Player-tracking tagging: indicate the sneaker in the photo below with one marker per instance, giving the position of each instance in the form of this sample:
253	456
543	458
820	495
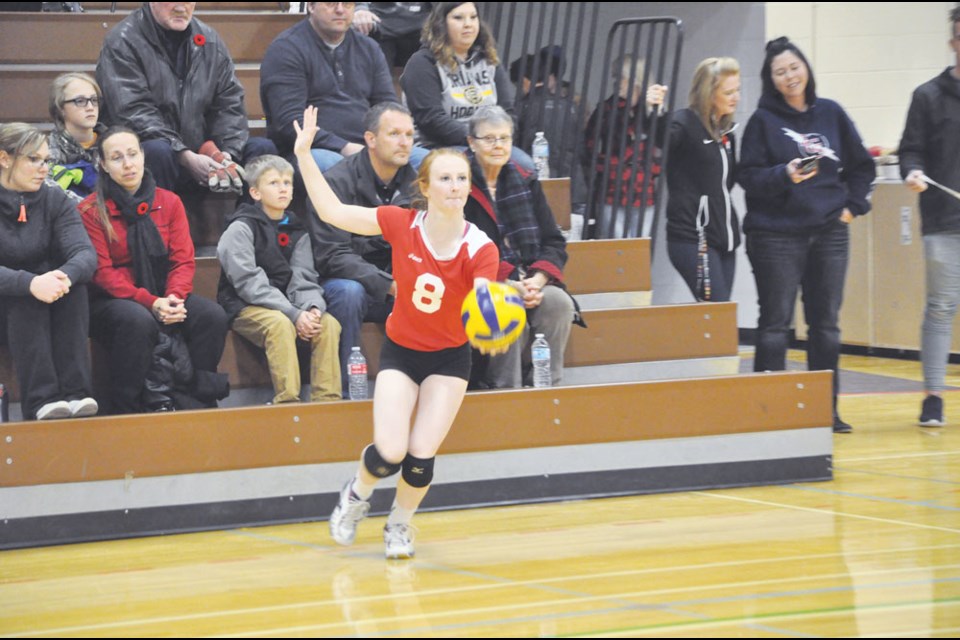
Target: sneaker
347	515
83	408
398	539
931	415
54	410
839	426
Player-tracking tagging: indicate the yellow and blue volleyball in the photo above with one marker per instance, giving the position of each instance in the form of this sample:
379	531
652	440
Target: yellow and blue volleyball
493	316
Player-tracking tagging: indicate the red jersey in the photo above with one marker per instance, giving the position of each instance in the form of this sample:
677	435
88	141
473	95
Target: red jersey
431	288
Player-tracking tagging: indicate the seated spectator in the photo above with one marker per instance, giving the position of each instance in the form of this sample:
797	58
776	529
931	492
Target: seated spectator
545	107
75	109
322	62
169	78
45	257
395	25
618	201
359	284
269	288
456	72
143	286
508	205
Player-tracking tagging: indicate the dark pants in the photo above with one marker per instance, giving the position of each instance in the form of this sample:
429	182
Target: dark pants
48	343
817	264
169	174
684	256
349	303
129	332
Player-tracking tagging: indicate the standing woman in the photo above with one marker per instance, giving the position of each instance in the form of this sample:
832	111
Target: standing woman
75	109
703	230
455	73
45	257
144	277
438	257
798	214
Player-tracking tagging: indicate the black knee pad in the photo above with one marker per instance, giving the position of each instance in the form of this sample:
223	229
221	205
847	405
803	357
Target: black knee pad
376	465
418	472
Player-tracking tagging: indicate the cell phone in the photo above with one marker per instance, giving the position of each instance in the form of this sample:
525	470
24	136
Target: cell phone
808	164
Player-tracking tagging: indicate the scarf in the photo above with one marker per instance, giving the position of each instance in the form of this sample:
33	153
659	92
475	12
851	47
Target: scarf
513	208
151	260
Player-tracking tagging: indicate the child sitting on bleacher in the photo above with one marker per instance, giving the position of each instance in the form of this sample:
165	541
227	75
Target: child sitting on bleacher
270	289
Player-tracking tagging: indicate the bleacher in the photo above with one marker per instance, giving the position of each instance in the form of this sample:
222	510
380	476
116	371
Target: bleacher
651	402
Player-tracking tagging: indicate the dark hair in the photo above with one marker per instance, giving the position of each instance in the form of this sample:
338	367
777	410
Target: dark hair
774	49
548	62
103	176
436	39
954	19
371	119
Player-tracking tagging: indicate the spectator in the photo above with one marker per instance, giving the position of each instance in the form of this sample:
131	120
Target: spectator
395	25
928	148
797	220
144	281
321	62
618	195
45	257
75	109
456	72
358	282
545	107
169	78
703	230
509	206
269	288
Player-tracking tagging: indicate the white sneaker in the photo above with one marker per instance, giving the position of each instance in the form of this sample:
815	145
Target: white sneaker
54	410
347	515
398	539
83	408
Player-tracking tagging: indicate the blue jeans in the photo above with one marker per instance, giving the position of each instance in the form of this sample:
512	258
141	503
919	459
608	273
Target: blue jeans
327	159
351	305
943	294
816	263
517	155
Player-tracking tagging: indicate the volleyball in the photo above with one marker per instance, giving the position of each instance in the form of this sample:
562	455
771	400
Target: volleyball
493	316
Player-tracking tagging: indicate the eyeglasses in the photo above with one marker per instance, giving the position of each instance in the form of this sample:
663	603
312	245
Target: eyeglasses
83	101
333	5
36	161
493	141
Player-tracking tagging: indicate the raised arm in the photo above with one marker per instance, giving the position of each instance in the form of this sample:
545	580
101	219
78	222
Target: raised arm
361	220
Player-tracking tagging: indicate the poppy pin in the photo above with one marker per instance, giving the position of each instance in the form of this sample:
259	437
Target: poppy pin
143	208
199	40
283	239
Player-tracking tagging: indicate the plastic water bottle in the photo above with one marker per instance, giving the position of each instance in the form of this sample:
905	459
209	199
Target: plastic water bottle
541	155
357	368
541	362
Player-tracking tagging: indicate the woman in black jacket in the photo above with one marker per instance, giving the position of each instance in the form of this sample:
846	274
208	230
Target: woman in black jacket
45	257
703	230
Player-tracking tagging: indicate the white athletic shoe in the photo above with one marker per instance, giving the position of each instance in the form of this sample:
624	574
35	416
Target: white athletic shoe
398	539
83	408
54	410
345	517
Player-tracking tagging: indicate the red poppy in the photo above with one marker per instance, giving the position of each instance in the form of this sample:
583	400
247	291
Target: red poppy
143	208
199	40
283	239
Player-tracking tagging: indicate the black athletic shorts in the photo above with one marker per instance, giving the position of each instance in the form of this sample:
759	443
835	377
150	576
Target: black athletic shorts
418	365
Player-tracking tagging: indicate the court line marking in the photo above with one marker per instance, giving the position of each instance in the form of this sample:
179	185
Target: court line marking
865	496
899	476
830	512
899	456
566	602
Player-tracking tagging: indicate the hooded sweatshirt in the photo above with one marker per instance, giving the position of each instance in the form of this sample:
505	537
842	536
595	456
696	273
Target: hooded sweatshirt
776	134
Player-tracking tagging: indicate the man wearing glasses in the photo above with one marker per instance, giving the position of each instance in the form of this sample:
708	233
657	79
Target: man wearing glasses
170	78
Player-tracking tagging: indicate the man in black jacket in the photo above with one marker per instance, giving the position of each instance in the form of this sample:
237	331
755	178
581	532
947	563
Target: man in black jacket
359	286
928	153
170	78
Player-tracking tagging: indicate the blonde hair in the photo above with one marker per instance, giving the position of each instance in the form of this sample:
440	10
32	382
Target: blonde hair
437	39
261	164
419	200
706	80
18	139
59	86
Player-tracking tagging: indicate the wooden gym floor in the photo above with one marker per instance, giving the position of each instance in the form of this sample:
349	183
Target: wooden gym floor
876	552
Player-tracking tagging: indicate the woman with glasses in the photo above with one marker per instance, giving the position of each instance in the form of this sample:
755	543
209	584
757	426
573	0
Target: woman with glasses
508	205
144	277
45	257
806	175
456	72
75	109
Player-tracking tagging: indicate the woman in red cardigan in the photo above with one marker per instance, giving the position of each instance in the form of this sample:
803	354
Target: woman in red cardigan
144	277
